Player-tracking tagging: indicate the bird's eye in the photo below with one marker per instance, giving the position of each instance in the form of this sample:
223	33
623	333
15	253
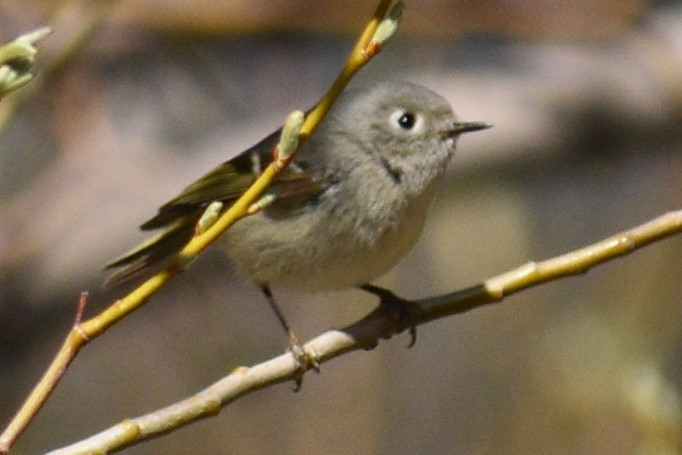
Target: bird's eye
405	120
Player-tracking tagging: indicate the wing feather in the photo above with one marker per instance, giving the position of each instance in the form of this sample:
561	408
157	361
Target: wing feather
294	187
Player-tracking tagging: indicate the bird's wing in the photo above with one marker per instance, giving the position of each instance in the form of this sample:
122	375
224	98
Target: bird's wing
293	187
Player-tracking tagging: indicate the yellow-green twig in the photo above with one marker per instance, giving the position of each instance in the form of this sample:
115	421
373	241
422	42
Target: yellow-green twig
17	58
74	23
82	333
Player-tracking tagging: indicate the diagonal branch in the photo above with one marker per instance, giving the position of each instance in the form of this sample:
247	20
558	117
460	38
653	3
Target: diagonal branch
366	333
377	31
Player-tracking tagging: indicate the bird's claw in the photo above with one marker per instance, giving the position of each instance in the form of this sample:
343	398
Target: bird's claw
402	313
304	359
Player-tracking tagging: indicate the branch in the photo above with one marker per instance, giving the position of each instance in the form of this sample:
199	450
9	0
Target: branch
74	24
17	58
378	30
366	333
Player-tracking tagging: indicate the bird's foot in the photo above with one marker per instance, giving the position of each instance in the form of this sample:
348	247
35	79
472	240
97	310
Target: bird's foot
402	313
305	360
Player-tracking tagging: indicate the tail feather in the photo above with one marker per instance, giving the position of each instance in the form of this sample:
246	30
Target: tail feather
152	255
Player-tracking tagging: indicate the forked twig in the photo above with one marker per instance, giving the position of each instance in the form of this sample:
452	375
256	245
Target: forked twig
365	334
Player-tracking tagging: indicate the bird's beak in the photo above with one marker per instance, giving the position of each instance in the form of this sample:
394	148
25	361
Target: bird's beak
467	127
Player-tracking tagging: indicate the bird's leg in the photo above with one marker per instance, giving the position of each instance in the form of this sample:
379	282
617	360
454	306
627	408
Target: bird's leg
399	310
303	358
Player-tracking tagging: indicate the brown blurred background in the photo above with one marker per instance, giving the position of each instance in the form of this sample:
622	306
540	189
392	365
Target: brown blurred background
586	99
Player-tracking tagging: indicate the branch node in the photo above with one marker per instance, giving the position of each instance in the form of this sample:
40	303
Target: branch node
82	303
242	370
288	141
384	31
130	428
265	200
209	217
371	50
182	261
629	242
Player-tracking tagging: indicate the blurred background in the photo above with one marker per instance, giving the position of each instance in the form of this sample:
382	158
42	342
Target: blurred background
137	98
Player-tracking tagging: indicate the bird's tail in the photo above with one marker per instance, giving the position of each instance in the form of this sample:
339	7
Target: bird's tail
151	255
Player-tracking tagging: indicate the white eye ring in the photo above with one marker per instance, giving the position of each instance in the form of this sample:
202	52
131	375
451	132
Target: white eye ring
407	121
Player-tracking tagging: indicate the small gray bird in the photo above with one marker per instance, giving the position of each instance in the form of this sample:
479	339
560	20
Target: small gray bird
347	209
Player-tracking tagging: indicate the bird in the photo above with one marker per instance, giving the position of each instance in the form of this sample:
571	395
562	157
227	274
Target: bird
348	208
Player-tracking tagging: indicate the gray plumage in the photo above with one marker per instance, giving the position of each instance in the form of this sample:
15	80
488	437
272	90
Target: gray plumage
348	208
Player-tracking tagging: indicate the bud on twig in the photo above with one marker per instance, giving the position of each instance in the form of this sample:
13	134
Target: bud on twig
209	217
387	27
288	141
17	58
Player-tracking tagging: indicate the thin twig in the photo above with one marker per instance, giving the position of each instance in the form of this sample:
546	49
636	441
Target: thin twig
74	24
367	46
366	333
82	303
74	341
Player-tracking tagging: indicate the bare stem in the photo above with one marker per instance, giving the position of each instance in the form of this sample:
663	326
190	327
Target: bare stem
367	332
